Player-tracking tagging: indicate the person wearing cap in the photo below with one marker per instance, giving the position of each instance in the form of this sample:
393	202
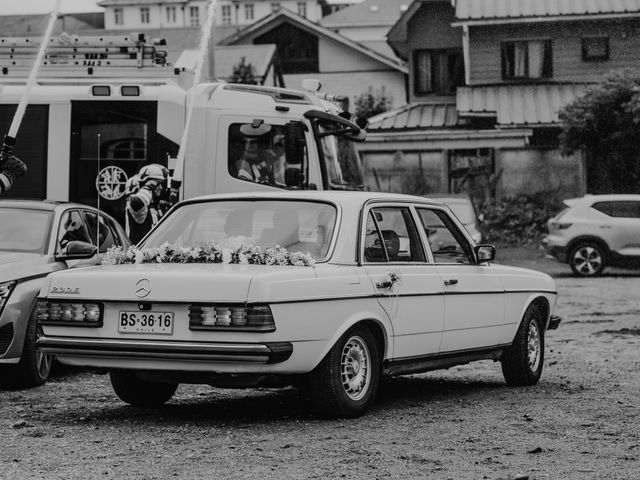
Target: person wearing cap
10	169
143	197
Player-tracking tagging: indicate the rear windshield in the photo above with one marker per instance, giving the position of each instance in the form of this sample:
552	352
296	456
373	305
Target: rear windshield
298	226
24	230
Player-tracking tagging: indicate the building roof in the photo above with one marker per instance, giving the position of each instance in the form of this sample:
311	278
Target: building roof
26	25
483	10
260	57
518	104
283	15
416	116
367	13
111	3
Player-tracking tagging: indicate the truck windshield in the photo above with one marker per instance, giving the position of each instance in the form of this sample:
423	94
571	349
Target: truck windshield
341	158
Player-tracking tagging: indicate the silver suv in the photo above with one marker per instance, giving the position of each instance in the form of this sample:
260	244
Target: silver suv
595	231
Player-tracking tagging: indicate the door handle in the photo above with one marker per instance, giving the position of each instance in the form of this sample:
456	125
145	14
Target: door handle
384	284
451	281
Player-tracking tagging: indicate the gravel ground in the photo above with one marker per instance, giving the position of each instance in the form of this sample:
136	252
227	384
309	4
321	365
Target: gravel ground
580	422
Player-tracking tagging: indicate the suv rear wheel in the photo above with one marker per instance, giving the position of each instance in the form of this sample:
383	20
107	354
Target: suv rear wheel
587	259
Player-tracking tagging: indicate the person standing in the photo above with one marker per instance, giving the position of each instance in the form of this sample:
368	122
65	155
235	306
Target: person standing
10	169
142	208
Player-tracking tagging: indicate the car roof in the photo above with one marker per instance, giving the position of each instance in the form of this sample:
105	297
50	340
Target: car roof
45	205
340	197
610	197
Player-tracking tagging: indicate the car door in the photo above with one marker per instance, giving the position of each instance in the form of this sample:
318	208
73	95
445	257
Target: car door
618	222
408	288
474	294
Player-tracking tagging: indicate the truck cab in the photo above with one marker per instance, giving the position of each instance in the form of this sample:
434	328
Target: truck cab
246	137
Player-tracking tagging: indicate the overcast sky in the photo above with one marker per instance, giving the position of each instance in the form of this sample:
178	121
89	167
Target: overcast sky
18	7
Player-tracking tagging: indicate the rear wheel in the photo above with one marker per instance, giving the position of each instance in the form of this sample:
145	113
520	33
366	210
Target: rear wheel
141	393
346	381
522	362
587	259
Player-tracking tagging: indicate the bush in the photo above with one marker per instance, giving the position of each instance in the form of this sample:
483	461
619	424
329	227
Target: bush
373	102
520	220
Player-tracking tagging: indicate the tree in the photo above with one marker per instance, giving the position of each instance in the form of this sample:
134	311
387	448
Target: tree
373	102
243	73
605	124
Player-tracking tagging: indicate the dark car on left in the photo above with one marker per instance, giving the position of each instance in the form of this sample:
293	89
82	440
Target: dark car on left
37	238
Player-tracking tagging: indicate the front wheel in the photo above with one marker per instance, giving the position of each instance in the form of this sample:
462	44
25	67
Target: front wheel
34	367
141	393
522	362
345	383
587	259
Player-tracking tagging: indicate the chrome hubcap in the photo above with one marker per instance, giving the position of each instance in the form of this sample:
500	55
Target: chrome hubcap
534	349
43	362
355	368
587	260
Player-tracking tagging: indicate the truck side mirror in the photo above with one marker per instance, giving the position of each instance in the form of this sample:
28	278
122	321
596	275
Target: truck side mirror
294	143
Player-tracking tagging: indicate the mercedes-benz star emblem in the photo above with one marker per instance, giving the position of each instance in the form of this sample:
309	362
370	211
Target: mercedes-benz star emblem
143	288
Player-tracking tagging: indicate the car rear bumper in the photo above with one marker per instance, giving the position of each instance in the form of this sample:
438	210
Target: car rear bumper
254	353
554	322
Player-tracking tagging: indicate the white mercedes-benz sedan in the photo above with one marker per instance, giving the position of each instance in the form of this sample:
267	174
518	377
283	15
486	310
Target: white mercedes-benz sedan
325	290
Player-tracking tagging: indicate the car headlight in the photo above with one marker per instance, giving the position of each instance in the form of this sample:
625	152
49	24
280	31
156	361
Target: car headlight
5	291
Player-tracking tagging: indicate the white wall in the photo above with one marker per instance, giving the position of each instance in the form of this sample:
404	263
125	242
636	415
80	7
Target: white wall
158	16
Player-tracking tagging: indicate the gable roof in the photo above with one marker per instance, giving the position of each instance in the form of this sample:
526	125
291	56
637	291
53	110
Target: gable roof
285	16
367	13
515	105
416	116
482	11
261	57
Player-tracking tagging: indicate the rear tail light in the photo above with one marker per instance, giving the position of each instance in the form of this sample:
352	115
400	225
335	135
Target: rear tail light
231	317
77	314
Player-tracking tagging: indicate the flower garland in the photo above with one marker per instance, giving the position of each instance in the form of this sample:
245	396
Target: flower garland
209	253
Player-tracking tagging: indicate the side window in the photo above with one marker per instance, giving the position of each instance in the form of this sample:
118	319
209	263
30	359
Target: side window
446	241
257	154
398	231
104	230
72	227
619	209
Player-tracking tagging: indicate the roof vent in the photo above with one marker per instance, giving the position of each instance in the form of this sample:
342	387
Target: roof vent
403	8
374	8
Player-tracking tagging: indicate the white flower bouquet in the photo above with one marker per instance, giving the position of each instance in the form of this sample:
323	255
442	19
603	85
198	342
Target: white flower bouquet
209	253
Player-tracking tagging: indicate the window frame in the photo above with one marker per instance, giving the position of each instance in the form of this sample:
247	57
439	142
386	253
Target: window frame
461	238
420	238
118	16
448	79
507	48
145	15
586	56
302	9
194	16
249	12
171	14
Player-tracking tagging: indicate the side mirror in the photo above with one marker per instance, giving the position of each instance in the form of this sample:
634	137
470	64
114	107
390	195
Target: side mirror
294	143
293	177
78	250
485	253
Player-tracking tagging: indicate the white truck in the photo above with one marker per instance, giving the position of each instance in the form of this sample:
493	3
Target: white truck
105	106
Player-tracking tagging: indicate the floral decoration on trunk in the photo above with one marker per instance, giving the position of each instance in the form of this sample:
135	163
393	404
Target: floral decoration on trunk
208	253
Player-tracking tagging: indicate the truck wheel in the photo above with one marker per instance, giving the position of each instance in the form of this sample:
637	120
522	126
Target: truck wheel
345	383
34	367
522	362
587	259
140	393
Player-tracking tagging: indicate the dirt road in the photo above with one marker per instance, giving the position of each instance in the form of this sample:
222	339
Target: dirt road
582	421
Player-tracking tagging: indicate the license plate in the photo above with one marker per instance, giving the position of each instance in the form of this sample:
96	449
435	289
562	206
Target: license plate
145	322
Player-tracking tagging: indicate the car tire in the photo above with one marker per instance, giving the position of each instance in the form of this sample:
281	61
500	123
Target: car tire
141	393
346	382
587	259
34	367
522	362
